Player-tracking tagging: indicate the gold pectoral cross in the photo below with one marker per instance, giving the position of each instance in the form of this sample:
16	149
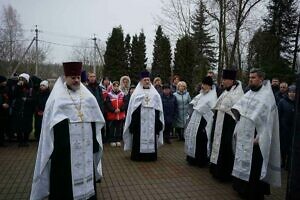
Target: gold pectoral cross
80	115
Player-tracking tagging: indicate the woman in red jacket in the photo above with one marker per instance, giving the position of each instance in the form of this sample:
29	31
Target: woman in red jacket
115	114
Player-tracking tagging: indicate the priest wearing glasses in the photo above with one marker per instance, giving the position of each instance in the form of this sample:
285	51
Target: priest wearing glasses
143	130
68	162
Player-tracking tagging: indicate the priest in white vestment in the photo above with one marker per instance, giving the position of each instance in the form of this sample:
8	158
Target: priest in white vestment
143	130
69	155
197	132
257	151
221	159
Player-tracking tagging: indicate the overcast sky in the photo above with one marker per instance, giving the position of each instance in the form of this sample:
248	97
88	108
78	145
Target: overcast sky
72	21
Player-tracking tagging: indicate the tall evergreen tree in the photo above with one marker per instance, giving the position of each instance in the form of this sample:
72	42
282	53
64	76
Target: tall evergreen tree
184	62
281	22
161	65
263	53
203	40
138	58
115	55
128	50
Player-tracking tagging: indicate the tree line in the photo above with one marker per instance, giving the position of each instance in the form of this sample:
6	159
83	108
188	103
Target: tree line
207	35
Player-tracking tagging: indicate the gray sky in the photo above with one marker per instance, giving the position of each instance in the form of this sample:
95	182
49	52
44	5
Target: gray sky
72	21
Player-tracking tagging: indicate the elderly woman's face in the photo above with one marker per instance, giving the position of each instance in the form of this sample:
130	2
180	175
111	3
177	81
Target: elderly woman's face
181	88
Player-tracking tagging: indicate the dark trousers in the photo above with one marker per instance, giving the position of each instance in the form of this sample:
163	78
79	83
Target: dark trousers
167	131
37	126
180	133
115	130
4	126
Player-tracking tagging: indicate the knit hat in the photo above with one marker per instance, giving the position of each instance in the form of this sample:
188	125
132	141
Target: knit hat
166	86
25	76
292	88
44	83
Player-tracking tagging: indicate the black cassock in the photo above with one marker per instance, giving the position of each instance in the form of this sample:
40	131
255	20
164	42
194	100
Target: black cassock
60	172
201	158
223	169
135	130
254	189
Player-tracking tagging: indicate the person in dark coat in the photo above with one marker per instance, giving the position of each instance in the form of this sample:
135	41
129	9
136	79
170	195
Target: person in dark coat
23	109
222	157
175	80
170	110
282	93
41	99
94	87
275	85
11	86
286	112
4	110
157	83
144	121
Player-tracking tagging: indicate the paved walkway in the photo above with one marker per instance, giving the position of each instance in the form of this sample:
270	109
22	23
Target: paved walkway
168	178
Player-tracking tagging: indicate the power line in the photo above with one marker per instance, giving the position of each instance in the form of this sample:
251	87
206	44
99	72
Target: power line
7	41
66	45
63	35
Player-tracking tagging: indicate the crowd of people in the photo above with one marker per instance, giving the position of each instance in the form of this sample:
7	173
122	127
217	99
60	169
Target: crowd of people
243	135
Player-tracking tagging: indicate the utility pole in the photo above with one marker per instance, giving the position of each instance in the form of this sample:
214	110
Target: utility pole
23	56
36	50
95	50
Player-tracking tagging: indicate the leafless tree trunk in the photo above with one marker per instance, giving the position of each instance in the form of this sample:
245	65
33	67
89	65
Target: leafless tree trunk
296	50
11	35
177	16
241	11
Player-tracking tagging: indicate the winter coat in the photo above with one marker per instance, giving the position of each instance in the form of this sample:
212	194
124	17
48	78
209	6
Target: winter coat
41	100
23	107
183	100
114	101
286	112
97	91
169	107
4	98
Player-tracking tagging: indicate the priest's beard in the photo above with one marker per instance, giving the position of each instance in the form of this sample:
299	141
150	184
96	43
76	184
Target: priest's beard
255	87
74	87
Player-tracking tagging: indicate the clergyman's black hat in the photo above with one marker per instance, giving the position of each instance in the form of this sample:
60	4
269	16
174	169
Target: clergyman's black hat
144	74
229	74
207	80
